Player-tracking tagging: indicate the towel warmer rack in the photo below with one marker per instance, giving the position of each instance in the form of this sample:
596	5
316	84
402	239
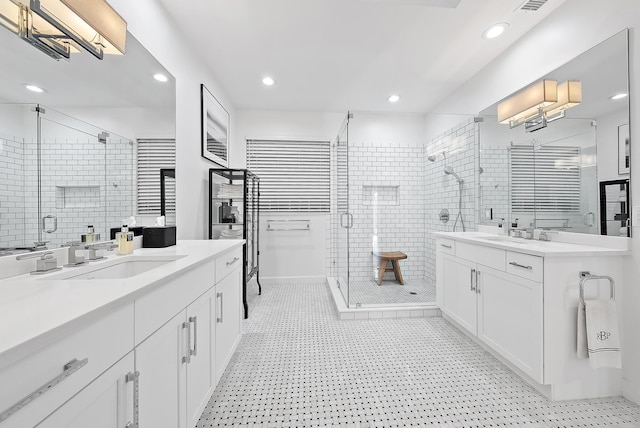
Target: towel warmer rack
584	277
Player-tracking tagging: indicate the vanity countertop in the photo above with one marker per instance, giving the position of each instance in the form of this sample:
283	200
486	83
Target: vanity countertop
37	309
533	247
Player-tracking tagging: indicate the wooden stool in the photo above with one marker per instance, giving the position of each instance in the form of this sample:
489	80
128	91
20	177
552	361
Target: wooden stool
393	257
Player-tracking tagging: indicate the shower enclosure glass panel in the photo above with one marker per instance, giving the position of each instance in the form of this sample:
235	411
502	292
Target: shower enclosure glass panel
341	219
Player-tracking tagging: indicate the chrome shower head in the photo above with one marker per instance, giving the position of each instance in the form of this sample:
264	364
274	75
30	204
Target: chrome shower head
449	171
431	158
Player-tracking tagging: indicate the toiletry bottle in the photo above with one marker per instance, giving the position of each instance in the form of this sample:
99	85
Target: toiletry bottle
124	239
89	236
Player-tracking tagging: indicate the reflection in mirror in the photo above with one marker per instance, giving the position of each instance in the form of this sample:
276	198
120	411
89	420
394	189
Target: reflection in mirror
549	176
72	152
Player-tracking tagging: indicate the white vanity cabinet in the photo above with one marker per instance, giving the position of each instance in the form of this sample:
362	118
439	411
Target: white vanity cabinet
150	358
502	309
519	300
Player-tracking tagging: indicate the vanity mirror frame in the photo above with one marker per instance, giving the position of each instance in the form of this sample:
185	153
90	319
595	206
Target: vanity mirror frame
601	78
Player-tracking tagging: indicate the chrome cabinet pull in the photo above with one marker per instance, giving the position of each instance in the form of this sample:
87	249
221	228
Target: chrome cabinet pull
70	368
187	358
235	259
194	320
473	274
446	246
520	266
135	378
220	318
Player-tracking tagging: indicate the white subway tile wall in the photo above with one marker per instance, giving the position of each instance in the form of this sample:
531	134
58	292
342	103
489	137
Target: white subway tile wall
83	182
12	193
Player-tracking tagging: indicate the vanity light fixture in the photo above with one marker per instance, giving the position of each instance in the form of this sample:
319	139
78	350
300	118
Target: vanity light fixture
495	30
528	103
619	96
34	88
569	95
268	81
60	27
393	98
160	77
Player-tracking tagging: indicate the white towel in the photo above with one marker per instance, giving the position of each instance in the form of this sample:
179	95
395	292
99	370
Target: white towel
583	350
602	337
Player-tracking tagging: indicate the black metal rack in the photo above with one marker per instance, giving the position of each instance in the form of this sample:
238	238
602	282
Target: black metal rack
234	197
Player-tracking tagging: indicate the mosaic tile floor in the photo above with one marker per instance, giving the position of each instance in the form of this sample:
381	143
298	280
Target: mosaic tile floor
368	292
299	366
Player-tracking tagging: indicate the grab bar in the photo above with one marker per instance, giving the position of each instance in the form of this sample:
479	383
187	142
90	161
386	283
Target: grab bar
270	228
588	277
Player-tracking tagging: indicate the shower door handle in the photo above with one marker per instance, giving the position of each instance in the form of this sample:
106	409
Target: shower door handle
586	219
350	217
55	223
349	223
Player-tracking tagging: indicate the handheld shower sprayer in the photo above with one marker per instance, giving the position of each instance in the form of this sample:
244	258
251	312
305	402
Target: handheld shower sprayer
449	171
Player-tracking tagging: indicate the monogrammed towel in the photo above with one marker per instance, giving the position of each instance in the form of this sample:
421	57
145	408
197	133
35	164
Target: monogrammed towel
603	339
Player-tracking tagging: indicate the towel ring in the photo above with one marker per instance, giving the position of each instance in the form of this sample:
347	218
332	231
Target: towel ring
612	285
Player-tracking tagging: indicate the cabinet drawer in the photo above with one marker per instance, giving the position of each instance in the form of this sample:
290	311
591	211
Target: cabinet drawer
487	256
446	246
227	262
525	265
101	342
158	306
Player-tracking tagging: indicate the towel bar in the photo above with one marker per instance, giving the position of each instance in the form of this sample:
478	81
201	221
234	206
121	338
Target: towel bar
585	278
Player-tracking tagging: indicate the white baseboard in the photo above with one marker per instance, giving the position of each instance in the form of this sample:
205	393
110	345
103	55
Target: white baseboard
631	391
292	279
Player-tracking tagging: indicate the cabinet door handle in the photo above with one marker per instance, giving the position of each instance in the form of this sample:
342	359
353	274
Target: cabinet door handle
477	282
194	320
473	277
135	378
70	368
187	358
520	266
235	259
221	317
446	246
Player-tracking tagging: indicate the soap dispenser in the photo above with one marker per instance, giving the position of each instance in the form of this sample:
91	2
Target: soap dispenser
89	236
124	239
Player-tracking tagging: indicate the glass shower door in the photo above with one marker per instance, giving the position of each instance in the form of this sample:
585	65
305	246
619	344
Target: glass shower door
342	218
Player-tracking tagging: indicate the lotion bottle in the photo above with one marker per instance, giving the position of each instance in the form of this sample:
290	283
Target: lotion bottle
124	238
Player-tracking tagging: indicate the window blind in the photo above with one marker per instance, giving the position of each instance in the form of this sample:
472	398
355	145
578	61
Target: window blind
294	175
151	156
545	179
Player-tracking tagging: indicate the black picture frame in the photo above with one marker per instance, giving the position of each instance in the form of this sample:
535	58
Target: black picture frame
215	129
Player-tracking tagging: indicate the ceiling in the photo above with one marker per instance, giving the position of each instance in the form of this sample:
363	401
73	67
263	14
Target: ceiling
338	55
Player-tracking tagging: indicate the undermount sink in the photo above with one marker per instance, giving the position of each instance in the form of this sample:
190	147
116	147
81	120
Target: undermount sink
117	269
503	239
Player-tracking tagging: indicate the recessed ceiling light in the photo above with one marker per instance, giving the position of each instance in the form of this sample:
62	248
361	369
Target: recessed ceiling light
495	30
393	98
269	81
619	96
34	88
160	77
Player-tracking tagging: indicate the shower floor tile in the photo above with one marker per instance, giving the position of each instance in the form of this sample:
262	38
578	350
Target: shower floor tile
368	292
299	366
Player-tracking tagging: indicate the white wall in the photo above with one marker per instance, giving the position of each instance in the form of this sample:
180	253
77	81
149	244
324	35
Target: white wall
290	255
150	24
573	28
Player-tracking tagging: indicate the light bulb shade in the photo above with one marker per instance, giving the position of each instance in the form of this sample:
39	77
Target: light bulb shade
59	27
528	102
569	95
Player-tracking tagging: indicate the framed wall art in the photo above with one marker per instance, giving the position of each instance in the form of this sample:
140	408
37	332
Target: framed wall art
215	129
623	149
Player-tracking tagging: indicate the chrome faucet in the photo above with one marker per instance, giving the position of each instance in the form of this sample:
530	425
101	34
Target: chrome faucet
47	263
92	248
73	258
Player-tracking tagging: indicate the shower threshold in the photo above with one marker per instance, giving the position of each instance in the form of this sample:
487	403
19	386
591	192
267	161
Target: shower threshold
380	311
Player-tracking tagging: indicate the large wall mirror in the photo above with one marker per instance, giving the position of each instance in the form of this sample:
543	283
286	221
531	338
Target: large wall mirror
570	172
87	150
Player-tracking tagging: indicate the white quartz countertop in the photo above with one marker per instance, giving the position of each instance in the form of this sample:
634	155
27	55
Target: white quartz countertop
529	246
36	309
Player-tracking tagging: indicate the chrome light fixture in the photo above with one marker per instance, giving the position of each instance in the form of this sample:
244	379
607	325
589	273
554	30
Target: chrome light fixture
61	27
539	104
